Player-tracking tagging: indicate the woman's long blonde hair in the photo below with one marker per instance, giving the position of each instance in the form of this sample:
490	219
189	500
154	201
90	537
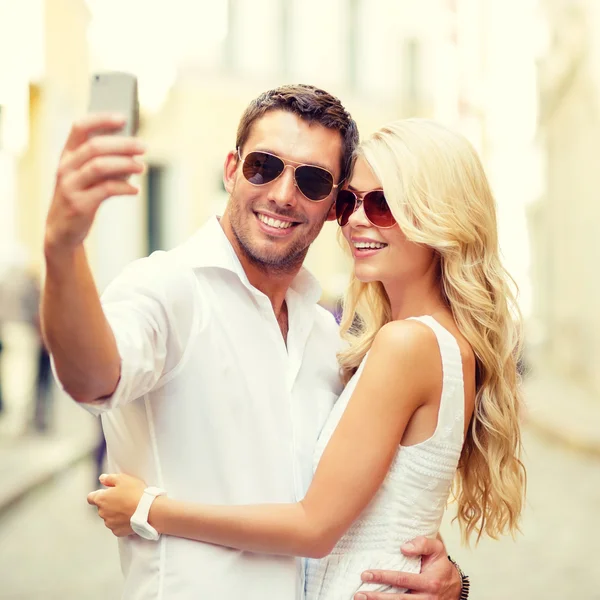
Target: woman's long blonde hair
439	194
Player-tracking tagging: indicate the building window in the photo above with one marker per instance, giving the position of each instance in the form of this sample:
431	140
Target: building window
286	32
230	37
353	39
412	75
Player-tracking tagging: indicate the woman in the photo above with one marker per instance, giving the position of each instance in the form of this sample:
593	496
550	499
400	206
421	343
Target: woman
432	391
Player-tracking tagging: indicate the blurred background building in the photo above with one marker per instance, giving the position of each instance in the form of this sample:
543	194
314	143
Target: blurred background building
199	64
564	219
520	78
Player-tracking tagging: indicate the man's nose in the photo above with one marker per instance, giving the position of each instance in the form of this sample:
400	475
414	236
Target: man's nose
283	189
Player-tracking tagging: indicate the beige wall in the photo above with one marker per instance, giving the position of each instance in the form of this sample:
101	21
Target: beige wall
55	100
66	50
565	220
195	128
29	189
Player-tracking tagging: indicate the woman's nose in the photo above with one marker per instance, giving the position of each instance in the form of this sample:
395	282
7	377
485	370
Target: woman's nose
358	218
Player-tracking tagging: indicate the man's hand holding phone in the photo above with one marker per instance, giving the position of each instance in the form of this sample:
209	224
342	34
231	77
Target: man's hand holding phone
100	155
94	166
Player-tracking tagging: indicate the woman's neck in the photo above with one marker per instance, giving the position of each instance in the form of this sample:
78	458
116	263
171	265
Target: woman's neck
417	297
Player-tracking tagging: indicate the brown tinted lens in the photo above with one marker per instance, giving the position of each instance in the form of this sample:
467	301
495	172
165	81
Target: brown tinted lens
315	183
377	209
344	206
260	168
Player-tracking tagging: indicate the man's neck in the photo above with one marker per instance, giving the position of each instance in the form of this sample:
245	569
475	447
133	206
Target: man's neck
273	283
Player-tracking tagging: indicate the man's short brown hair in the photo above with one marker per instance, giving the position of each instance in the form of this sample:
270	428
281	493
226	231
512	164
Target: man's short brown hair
311	104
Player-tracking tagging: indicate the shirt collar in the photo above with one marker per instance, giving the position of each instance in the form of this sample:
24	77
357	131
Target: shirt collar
209	247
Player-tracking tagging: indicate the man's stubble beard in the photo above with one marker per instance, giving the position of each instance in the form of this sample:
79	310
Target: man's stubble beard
276	263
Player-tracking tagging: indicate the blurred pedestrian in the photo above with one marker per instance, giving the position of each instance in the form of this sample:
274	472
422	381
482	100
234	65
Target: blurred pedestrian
3	310
99	455
42	400
1	346
15	284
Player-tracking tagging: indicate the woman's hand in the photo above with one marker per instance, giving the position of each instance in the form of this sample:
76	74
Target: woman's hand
117	504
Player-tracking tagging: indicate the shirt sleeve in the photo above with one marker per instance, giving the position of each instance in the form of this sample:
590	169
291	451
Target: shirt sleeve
152	308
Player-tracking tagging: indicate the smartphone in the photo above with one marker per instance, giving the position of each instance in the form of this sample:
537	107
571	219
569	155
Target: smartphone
117	92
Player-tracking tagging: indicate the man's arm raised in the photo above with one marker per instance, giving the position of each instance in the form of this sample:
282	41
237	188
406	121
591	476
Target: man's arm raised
75	329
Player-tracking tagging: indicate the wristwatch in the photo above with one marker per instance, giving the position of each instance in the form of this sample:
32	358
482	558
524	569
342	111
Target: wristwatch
464	582
139	519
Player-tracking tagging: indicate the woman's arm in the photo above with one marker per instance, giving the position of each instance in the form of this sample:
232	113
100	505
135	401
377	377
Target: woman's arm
396	380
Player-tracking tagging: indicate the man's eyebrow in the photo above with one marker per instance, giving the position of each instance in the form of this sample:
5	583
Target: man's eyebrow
312	163
318	164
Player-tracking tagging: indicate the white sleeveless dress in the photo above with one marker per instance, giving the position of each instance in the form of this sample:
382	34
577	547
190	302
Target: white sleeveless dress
412	498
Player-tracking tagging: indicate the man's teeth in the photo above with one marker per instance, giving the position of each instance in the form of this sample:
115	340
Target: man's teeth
374	245
274	222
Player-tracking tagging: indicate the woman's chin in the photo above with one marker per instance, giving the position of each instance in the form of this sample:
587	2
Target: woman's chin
365	274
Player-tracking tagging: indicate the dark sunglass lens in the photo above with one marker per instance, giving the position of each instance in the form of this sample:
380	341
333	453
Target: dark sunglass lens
260	168
344	206
377	209
315	183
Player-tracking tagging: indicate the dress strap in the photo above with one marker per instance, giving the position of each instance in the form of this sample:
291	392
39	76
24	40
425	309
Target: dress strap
452	402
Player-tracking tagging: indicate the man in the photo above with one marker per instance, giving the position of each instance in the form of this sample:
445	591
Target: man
212	365
30	309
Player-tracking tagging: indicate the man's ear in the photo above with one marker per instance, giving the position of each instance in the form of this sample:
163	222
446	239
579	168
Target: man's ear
331	213
229	171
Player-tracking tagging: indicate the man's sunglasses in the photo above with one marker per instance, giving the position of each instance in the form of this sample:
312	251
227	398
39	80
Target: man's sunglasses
374	203
260	168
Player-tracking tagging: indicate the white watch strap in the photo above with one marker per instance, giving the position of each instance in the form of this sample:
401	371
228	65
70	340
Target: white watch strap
143	507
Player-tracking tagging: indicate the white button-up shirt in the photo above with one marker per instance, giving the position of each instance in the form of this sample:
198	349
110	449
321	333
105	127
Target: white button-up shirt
213	407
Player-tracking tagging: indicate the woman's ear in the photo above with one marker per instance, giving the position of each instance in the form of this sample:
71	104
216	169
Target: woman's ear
229	171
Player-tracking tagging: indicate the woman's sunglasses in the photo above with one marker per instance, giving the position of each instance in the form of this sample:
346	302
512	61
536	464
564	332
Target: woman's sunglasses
374	203
260	168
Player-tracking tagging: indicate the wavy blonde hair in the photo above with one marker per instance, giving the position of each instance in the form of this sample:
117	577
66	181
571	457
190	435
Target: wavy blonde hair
439	194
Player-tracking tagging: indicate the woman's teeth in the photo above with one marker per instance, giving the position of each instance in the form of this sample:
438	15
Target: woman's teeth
369	245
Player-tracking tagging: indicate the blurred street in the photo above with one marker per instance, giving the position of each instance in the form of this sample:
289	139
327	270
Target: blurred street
29	456
554	557
53	547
